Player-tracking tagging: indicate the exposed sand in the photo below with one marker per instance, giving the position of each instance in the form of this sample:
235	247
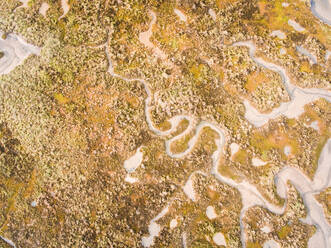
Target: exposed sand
210	212
43	9
258	162
234	148
282	51
296	25
9	242
154	229
130	179
65	8
191	143
249	193
266	229
312	58
327	55
271	244
212	14
33	204
307	189
181	15
15	50
189	189
173	223
219	239
314	125
287	150
144	38
25	3
278	33
322	10
132	163
316	241
184	240
292	109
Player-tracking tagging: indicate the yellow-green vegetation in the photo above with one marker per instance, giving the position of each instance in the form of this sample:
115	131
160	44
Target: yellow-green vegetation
272	15
223	3
284	229
324	198
67	125
278	139
182	126
228	171
317	112
284	232
277	136
262	87
253	245
192	218
17	176
179	146
241	157
60	98
207	139
164	126
254	80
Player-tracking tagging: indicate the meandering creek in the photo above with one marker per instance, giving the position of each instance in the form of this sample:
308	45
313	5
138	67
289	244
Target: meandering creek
299	96
249	193
16	50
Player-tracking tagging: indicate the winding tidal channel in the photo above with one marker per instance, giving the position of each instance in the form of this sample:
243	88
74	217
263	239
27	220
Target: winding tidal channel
250	195
16	50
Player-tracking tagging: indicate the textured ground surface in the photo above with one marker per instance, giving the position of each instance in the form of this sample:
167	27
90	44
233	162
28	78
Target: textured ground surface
144	123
